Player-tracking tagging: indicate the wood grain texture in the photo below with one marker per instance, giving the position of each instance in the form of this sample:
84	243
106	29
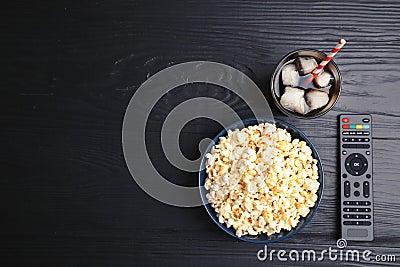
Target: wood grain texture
70	69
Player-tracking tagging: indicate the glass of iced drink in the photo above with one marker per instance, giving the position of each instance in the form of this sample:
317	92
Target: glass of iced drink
298	95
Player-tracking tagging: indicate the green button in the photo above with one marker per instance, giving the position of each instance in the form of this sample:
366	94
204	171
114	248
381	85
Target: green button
352	126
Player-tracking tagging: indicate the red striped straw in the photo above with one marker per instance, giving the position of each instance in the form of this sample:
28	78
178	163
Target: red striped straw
326	60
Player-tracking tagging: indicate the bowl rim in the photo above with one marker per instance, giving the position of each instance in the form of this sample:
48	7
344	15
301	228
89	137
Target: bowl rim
274	74
211	211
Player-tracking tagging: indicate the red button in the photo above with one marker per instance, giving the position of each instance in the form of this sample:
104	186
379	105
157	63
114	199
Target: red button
345	126
345	120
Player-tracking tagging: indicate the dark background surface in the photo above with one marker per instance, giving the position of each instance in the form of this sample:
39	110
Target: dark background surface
69	70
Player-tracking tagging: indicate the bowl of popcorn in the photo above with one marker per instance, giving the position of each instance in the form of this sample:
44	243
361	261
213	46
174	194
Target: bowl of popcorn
261	181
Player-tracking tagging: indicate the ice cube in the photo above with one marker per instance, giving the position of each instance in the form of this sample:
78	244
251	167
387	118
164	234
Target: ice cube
306	65
316	99
293	100
323	79
290	76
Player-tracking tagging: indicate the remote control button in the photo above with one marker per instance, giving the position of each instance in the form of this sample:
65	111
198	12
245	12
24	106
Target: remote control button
347	189
357	223
345	132
355	146
352	126
358	233
367	203
344	152
356	216
349	146
352	223
357	193
365	126
368	176
366	189
368	153
357	210
345	139
366	133
356	184
356	164
345	120
357	203
344	175
345	126
359	126
365	120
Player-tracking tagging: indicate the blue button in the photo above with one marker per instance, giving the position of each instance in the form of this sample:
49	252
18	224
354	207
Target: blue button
365	126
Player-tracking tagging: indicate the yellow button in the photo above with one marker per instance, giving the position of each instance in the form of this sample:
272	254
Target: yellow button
359	126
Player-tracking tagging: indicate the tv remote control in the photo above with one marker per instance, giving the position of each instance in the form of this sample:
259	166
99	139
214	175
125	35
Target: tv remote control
356	203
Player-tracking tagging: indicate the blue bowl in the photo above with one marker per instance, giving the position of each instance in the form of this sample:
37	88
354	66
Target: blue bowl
263	238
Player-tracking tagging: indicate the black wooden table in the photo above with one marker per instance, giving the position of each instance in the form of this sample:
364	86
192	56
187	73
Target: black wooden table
69	71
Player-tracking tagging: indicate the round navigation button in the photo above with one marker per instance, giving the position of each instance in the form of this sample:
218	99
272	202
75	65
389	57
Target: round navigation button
356	164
